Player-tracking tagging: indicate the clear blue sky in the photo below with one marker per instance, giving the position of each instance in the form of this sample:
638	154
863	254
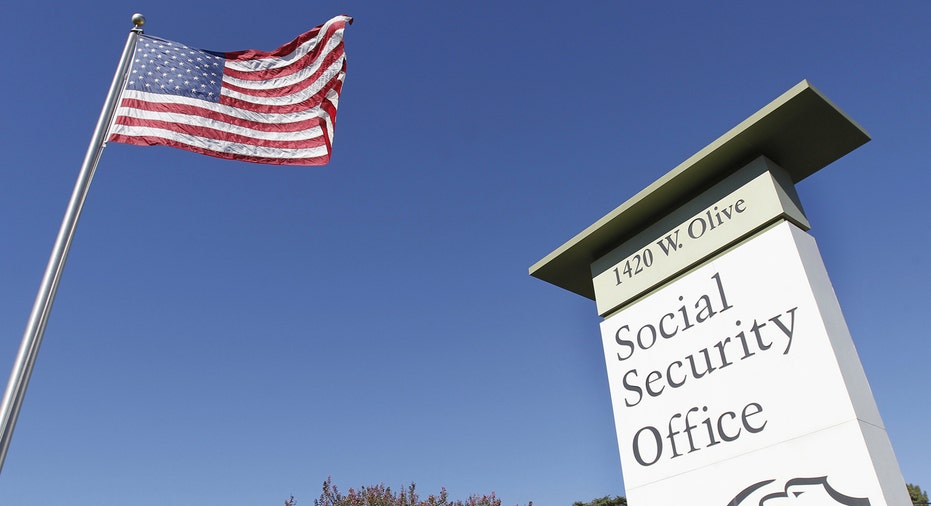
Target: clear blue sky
231	334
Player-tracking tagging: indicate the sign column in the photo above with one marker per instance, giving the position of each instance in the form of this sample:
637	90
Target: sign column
733	376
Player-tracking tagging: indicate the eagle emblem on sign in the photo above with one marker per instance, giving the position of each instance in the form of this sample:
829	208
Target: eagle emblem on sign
795	492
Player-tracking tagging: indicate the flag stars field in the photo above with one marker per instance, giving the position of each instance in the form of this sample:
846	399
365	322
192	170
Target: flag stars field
186	65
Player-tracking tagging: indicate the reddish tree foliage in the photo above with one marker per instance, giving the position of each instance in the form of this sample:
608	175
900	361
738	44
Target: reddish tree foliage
380	495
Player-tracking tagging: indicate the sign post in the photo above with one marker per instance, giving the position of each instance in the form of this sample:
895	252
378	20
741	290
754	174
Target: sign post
733	376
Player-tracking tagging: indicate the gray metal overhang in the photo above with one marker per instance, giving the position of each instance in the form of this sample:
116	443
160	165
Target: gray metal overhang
802	131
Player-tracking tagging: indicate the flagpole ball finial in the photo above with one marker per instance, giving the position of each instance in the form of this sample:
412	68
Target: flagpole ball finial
138	20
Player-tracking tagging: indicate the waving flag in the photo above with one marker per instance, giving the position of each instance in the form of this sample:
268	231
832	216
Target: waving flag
275	107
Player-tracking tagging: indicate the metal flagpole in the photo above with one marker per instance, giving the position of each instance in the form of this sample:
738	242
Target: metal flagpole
32	337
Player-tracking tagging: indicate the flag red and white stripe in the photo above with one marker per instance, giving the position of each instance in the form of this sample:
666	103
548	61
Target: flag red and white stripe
276	107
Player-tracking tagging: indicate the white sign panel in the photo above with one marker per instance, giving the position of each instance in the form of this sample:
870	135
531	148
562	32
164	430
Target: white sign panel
738	384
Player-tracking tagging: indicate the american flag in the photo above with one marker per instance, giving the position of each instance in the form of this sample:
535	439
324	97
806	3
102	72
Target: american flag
275	107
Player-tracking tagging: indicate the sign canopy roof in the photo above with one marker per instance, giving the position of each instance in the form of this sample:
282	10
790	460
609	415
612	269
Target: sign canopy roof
802	131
